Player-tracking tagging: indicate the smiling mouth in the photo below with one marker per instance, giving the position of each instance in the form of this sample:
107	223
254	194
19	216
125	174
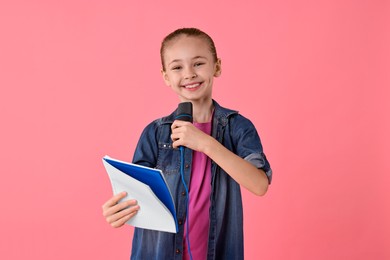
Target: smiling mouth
192	85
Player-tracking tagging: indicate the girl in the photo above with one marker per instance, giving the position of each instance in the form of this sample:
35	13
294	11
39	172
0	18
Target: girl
223	151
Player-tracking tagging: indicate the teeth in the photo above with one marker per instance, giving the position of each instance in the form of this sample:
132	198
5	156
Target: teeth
193	86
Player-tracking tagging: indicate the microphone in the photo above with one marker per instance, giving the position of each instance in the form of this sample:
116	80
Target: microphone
184	112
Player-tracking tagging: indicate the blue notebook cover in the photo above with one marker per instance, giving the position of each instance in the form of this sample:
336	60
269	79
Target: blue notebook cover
149	176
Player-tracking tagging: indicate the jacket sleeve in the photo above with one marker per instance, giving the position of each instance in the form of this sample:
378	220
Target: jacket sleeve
248	145
146	150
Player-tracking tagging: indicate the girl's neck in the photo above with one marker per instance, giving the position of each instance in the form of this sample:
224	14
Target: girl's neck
202	111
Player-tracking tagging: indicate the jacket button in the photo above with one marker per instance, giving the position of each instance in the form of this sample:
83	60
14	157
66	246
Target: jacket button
177	251
180	222
187	166
183	193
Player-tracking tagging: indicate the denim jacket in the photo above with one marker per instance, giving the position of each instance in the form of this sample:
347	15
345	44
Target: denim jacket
155	150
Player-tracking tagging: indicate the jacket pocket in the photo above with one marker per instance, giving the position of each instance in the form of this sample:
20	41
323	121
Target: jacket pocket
168	159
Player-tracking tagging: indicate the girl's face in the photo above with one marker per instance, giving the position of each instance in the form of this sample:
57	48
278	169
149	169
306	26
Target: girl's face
190	68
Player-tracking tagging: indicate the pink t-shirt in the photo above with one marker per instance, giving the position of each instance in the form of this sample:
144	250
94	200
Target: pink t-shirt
199	203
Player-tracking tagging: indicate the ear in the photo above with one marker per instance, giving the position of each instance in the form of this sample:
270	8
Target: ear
165	78
218	68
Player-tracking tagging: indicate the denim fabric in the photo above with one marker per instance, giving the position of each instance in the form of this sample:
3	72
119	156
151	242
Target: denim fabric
155	150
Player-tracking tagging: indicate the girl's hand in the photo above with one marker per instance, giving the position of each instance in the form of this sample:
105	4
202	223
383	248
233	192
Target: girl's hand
117	214
186	134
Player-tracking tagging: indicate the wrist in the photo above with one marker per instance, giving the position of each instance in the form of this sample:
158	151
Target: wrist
209	146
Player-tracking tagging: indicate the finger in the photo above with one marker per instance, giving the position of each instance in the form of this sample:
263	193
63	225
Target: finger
175	136
114	200
118	207
122	214
174	126
179	123
178	139
120	222
131	211
175	145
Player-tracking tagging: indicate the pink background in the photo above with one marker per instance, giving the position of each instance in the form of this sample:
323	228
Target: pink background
80	79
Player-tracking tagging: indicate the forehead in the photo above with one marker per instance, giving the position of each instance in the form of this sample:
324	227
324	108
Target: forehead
185	46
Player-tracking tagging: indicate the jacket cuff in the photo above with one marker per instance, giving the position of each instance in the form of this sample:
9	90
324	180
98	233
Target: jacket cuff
260	162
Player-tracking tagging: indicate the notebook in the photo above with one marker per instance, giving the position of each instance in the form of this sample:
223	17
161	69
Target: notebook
149	188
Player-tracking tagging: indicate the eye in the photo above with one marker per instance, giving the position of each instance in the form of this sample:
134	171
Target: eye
198	64
176	68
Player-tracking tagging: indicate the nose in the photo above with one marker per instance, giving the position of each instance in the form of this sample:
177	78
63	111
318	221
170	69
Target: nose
190	73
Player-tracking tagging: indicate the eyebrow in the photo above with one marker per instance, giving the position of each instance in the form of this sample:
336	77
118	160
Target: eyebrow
194	58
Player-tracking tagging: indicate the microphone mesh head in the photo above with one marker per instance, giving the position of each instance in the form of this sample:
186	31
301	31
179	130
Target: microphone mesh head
184	112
